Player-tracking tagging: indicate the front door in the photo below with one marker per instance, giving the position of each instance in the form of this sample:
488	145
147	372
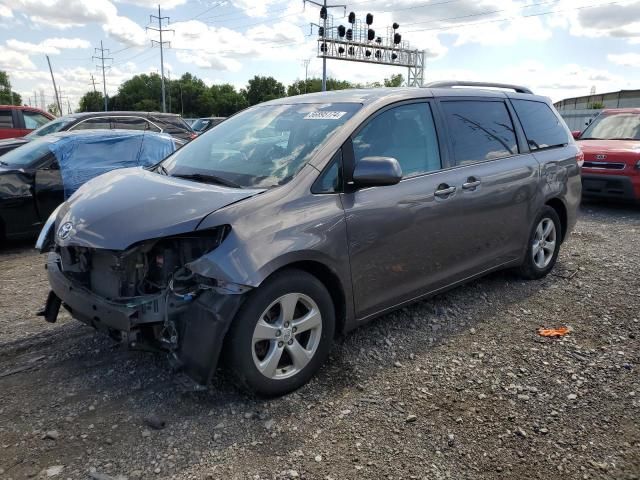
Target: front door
402	238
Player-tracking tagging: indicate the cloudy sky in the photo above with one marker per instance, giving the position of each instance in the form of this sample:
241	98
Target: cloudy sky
560	48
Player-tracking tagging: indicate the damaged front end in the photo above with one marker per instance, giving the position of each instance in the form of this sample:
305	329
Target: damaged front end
148	297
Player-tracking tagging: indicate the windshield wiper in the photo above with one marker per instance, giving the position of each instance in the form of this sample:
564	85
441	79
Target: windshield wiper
624	138
199	177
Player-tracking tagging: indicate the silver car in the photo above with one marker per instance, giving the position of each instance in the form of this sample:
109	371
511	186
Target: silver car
302	218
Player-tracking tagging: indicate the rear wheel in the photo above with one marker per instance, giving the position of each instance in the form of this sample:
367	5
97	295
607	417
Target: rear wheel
282	334
544	245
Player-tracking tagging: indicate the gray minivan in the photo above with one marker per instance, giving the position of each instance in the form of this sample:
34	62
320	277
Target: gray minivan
301	218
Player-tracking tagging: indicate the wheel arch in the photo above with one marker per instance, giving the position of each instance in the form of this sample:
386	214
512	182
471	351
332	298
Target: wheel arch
560	208
331	282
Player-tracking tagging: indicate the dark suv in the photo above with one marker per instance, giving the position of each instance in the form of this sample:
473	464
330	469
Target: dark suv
170	123
301	218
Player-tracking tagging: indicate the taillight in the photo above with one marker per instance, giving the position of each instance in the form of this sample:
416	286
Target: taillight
580	158
192	135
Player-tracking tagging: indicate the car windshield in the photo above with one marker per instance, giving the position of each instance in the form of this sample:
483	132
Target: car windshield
262	147
25	155
614	126
51	127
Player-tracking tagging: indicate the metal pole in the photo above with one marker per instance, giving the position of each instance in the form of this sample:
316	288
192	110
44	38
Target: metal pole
324	57
164	104
104	80
55	89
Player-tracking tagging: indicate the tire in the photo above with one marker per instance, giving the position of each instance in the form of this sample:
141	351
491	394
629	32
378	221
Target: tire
538	261
266	350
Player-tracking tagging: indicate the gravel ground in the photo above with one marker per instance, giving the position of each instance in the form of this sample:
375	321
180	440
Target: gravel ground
457	387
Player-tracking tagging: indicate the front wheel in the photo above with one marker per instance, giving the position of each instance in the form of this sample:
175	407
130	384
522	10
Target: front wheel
544	245
282	334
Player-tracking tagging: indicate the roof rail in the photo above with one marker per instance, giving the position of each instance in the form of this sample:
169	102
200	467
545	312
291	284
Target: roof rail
461	83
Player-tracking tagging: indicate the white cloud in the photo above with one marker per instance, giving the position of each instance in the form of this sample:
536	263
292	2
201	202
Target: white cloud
223	48
5	11
254	8
153	4
50	46
625	59
12	60
566	81
126	31
618	20
64	14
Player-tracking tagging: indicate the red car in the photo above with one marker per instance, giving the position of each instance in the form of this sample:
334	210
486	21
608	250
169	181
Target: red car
17	121
611	147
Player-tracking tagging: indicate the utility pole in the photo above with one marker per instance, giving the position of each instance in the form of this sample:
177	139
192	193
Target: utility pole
306	72
323	15
93	81
161	43
169	85
102	58
53	80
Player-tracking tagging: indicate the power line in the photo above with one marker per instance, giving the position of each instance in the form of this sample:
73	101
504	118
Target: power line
102	58
160	30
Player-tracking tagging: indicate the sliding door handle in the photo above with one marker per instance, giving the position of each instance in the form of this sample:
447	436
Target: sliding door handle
444	191
471	185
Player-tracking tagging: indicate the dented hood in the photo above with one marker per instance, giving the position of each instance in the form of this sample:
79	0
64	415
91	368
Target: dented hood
127	206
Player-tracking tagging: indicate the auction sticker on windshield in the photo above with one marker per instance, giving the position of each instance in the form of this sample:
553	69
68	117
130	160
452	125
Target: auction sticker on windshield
324	115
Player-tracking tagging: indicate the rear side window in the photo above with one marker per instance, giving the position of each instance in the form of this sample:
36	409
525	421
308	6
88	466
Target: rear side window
174	124
132	123
480	130
99	123
6	119
541	127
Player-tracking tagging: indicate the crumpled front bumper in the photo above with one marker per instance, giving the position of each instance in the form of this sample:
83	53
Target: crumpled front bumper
201	323
86	306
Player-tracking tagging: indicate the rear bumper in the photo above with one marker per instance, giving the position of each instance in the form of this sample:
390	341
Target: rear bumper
620	187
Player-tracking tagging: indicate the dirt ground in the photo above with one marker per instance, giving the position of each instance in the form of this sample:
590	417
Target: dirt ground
456	387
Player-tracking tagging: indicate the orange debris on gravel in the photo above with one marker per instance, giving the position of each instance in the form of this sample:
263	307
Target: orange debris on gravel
553	332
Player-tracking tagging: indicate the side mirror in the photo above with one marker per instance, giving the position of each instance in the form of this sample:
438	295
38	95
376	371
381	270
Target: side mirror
576	134
376	172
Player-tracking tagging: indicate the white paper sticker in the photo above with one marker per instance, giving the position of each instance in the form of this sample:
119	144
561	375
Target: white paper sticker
324	115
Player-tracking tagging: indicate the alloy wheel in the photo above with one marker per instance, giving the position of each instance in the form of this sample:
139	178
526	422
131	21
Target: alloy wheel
544	243
286	336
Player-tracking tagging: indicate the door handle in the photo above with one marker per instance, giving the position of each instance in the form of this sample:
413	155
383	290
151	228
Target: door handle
444	191
471	184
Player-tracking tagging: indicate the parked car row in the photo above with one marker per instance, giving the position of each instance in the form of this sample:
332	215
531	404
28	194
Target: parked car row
302	218
168	123
38	176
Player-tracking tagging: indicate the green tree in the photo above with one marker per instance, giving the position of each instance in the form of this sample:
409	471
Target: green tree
140	93
394	80
7	95
189	96
260	89
226	100
315	85
91	102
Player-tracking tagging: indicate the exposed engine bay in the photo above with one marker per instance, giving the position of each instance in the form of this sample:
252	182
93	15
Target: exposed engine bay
147	297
